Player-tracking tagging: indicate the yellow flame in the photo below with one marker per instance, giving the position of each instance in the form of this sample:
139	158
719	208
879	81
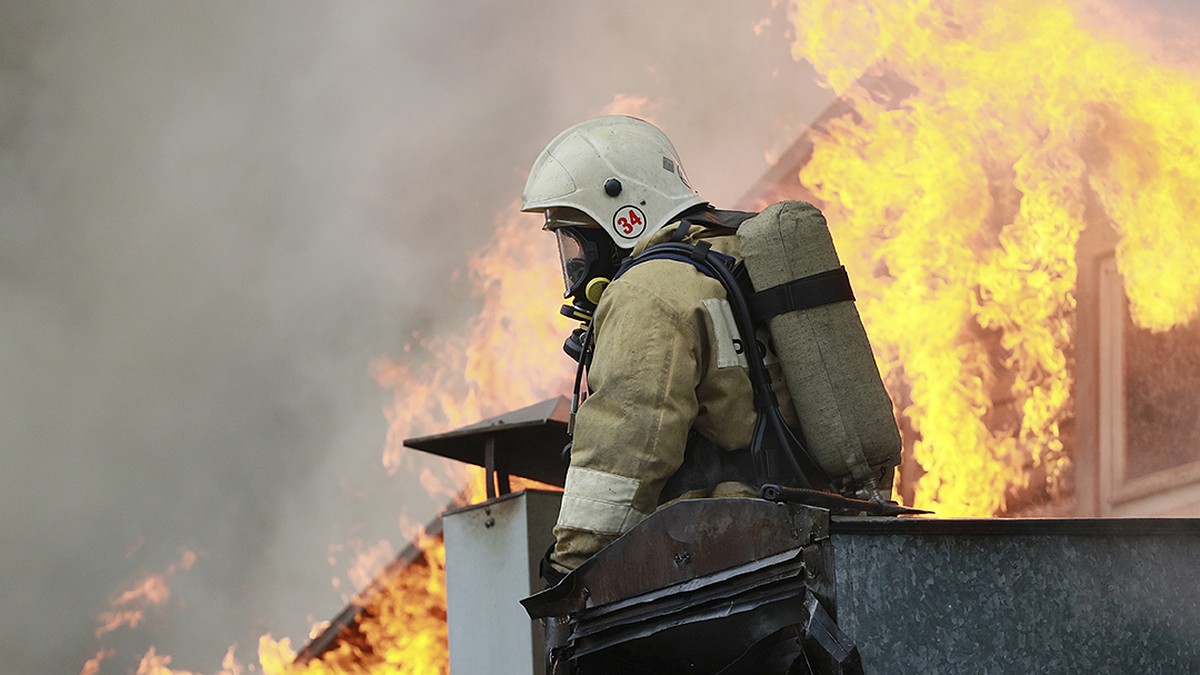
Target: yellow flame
958	199
401	628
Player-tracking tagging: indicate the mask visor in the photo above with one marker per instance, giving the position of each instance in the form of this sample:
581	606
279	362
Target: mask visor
574	256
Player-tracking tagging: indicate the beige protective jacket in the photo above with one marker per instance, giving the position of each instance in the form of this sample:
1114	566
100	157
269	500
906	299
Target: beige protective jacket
665	363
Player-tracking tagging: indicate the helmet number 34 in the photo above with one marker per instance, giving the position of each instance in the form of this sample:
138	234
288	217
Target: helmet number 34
629	222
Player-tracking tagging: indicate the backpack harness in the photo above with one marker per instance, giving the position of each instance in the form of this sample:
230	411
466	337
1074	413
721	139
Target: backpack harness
776	453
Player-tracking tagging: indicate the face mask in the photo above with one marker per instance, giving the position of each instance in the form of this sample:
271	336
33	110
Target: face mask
588	257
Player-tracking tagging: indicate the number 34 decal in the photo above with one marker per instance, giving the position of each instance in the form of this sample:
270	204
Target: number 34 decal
629	222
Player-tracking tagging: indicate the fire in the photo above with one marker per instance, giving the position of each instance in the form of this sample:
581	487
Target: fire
504	359
509	356
957	204
400	629
153	663
92	665
128	607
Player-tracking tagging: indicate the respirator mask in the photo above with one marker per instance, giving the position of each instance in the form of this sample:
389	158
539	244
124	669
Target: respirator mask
589	260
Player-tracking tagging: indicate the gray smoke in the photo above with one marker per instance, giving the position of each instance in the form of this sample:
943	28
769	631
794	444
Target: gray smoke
214	216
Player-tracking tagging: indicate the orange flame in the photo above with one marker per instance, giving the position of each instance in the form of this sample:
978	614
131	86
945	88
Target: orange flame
401	627
92	665
505	359
958	207
128	608
153	663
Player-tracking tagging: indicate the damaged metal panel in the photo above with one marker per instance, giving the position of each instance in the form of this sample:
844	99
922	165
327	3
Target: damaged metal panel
1053	595
701	586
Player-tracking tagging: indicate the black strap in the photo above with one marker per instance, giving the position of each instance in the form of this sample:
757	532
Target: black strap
719	218
824	288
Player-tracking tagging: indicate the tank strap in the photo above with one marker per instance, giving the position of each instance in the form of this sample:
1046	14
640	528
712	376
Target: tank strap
707	216
824	288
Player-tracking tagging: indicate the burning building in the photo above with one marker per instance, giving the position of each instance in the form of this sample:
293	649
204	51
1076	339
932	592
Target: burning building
1125	438
1013	195
1009	187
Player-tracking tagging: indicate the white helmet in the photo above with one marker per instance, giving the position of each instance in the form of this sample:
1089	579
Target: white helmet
622	172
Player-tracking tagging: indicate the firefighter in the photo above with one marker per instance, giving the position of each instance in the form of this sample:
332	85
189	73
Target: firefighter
670	411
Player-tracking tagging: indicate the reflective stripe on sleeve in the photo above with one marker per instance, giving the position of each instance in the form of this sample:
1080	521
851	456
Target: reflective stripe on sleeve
729	344
598	501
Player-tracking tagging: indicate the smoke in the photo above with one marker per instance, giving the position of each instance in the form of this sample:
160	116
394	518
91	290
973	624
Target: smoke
1161	29
213	218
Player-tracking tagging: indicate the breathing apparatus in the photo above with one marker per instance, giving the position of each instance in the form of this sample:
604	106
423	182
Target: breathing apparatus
607	184
589	260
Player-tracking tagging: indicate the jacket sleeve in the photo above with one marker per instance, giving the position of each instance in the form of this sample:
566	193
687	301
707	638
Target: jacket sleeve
631	432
